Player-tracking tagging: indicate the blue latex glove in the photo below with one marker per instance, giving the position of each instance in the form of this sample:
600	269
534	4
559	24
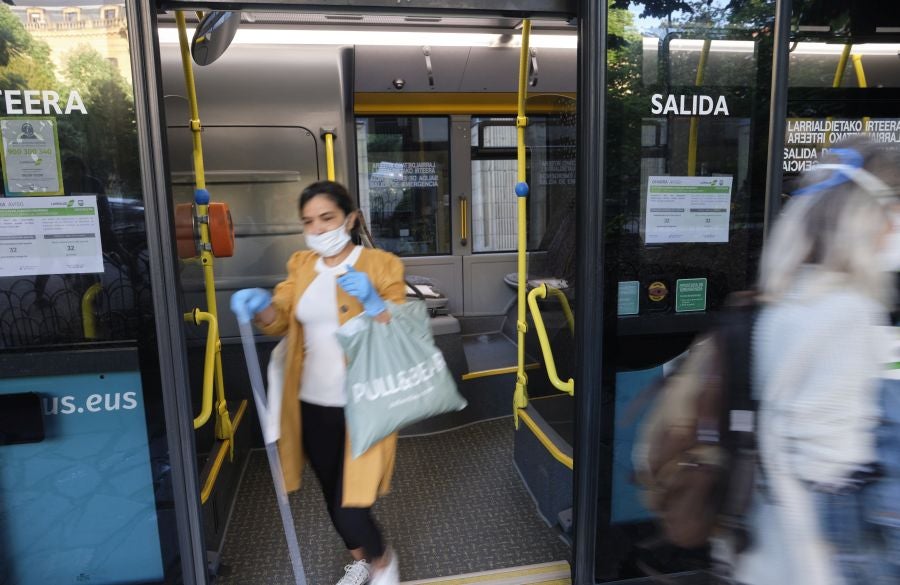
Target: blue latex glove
248	302
358	284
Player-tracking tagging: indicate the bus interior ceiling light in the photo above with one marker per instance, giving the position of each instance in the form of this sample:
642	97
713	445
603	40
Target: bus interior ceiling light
803	47
280	36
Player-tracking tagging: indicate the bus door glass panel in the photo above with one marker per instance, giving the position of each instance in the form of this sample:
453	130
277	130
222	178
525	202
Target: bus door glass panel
687	124
844	81
494	171
404	182
92	501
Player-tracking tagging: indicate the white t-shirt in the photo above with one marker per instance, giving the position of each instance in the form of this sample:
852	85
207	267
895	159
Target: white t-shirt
324	370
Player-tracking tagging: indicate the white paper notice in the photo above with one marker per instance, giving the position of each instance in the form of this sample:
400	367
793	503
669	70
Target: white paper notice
49	235
30	156
688	209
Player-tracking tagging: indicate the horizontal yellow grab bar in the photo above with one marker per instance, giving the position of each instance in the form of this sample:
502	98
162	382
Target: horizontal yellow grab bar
497	371
545	440
224	449
541	293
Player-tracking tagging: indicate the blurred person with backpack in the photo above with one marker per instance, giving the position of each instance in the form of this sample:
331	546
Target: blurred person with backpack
819	352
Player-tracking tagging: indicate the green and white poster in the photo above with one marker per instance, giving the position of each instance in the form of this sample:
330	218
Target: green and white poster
688	209
50	235
30	156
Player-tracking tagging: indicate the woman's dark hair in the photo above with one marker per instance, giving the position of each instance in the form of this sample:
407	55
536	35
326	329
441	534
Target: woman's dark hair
337	194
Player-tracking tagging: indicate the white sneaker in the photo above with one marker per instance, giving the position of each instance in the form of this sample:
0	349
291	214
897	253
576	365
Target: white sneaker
390	574
356	573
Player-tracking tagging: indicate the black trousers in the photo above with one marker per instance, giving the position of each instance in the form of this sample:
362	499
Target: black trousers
324	433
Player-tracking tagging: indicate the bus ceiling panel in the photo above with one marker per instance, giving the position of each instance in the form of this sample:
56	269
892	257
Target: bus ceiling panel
403	70
380	21
396	69
297	86
491	69
510	8
851	21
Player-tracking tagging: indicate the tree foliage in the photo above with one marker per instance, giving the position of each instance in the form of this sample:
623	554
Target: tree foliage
108	137
24	61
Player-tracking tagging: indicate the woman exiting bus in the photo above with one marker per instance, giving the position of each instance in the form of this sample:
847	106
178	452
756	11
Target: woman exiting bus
333	281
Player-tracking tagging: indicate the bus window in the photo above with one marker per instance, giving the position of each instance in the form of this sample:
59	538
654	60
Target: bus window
404	185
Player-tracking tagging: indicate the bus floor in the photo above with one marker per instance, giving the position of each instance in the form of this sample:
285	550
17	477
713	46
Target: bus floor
457	506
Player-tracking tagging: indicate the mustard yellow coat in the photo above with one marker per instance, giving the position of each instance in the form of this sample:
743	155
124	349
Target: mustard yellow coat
368	476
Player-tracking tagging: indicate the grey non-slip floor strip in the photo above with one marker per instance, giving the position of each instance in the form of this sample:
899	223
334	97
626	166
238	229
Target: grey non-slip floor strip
458	506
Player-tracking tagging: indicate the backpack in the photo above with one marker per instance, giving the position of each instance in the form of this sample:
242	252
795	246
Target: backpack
696	454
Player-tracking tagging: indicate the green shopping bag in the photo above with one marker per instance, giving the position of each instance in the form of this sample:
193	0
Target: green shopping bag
396	376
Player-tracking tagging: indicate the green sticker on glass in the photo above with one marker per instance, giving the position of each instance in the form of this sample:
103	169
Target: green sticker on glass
30	156
690	295
629	297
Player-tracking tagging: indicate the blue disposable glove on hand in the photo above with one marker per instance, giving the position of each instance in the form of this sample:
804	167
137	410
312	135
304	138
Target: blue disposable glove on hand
248	302
359	285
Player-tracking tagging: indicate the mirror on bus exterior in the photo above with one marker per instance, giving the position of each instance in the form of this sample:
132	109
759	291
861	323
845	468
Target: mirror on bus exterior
213	35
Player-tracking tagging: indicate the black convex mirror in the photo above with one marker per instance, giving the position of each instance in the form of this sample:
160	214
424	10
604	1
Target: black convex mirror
213	35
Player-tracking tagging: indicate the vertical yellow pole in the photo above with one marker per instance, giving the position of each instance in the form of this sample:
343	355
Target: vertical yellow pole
520	396
842	65
329	156
223	421
861	81
695	120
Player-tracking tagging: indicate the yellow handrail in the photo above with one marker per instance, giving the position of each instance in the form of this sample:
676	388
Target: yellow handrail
212	343
520	395
88	322
541	293
542	437
842	64
694	128
224	428
220	456
329	156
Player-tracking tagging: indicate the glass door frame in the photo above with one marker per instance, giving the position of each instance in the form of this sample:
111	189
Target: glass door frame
594	423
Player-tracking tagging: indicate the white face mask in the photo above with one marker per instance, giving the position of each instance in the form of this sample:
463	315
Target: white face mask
329	243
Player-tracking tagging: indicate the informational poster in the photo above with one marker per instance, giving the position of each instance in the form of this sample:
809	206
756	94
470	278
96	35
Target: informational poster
80	504
629	297
30	156
688	209
50	235
404	175
808	139
690	295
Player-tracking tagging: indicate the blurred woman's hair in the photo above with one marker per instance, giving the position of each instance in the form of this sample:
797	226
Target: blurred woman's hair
837	223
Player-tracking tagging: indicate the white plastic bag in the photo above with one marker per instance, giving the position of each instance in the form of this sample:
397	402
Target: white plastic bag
271	426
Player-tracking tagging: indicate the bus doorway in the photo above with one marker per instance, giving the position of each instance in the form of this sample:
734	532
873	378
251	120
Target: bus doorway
435	181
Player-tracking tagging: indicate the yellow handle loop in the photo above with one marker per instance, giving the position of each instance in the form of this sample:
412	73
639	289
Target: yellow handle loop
541	293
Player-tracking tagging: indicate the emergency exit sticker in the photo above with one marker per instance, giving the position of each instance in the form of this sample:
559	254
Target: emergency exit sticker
690	295
629	297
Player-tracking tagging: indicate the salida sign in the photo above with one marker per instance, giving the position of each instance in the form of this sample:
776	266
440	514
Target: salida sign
688	105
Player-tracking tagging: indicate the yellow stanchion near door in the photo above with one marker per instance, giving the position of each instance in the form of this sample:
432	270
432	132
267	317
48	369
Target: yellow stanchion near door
329	154
520	395
205	215
694	130
88	320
